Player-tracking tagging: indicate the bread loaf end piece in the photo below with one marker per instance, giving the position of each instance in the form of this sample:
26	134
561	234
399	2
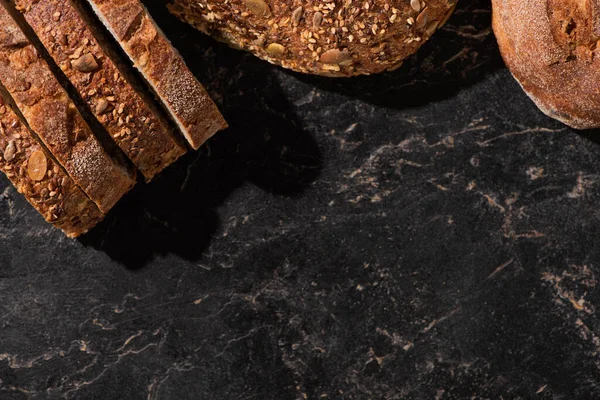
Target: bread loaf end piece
135	125
163	68
54	118
43	182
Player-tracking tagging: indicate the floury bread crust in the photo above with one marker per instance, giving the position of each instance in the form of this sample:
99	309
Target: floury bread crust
133	122
163	68
324	37
42	181
550	46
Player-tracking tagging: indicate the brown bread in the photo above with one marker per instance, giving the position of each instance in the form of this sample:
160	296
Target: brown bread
53	117
333	38
162	67
550	46
133	122
43	182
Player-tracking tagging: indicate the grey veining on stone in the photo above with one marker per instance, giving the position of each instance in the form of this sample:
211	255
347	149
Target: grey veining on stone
423	234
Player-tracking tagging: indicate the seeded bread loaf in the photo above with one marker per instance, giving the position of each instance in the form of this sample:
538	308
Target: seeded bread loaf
162	67
550	46
333	38
53	117
41	180
134	123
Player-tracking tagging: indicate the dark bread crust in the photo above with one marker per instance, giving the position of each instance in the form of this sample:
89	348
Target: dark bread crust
137	128
53	117
163	68
332	38
53	194
550	48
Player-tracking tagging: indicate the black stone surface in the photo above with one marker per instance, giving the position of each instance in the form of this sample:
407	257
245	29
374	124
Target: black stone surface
424	234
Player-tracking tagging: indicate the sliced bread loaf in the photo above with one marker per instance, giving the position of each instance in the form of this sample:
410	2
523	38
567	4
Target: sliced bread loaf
43	182
163	68
54	118
134	122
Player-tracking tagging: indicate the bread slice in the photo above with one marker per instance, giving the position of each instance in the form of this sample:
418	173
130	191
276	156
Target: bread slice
134	123
54	118
43	182
163	68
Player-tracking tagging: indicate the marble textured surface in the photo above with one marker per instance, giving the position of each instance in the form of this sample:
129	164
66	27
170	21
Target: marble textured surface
422	234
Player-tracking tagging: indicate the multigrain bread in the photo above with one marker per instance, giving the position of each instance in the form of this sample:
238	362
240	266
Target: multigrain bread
54	118
550	46
163	68
134	123
42	181
333	38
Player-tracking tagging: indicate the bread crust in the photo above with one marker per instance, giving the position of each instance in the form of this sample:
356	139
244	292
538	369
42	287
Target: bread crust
163	68
331	38
54	118
49	190
137	128
550	48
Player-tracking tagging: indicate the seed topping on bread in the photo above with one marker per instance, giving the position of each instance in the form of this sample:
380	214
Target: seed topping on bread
371	35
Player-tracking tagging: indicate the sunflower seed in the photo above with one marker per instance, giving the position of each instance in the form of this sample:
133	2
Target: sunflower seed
297	15
416	5
317	20
10	151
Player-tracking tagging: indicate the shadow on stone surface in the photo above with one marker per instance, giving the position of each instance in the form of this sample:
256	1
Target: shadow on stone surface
459	55
592	135
264	145
176	213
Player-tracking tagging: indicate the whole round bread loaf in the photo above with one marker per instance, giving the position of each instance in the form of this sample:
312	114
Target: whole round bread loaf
551	48
324	37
